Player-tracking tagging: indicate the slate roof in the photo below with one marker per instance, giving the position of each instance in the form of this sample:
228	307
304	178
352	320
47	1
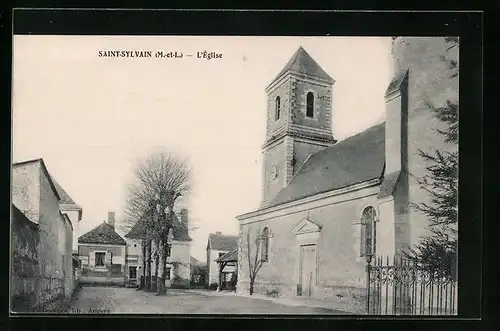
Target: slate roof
231	256
65	198
301	62
388	184
179	231
102	234
354	160
396	82
222	242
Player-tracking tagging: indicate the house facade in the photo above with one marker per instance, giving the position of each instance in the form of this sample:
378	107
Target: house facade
179	261
218	244
43	276
102	253
326	204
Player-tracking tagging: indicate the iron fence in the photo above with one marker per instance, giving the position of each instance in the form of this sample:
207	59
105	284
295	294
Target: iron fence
400	287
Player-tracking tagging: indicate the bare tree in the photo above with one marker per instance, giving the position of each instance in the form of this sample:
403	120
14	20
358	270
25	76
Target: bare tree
255	260
159	181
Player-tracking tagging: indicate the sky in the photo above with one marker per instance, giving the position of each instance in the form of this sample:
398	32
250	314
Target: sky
91	118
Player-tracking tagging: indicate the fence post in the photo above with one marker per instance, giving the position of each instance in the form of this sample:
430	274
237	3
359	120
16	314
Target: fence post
368	261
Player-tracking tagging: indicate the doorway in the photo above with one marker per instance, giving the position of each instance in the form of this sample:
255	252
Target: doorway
132	273
307	271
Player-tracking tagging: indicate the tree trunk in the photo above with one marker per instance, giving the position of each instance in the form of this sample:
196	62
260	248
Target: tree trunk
162	289
154	283
159	280
148	266
143	274
250	290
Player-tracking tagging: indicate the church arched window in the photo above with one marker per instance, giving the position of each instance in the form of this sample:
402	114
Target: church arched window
277	109
310	104
368	232
265	245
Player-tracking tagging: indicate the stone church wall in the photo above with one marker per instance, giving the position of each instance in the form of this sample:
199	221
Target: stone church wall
430	81
283	91
322	105
340	270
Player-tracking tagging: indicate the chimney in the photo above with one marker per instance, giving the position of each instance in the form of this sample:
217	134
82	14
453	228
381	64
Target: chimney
111	219
184	217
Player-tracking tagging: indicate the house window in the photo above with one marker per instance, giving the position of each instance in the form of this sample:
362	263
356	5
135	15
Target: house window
167	274
99	258
265	245
135	245
310	104
277	109
368	232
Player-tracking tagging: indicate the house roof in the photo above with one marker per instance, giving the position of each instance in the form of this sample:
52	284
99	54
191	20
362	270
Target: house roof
222	242
196	262
231	256
65	198
179	230
302	63
102	234
354	160
44	169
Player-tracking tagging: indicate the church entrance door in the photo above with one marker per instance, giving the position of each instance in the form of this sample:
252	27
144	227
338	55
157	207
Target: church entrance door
307	269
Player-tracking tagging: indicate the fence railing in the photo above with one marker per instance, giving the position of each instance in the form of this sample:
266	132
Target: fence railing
400	287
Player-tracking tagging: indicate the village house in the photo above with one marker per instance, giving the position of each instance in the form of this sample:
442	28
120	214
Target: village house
219	244
102	254
326	204
228	270
42	266
179	260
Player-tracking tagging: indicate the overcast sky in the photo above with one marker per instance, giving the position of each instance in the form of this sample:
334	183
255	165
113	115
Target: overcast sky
91	117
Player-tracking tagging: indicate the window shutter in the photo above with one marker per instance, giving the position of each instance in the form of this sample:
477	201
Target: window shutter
92	259
107	259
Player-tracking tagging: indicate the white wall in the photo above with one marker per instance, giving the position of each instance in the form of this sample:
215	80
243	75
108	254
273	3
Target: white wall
213	276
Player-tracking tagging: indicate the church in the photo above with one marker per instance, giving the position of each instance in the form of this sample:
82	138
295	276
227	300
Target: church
327	205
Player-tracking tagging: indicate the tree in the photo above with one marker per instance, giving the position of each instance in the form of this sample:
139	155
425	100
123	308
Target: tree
438	251
254	261
159	180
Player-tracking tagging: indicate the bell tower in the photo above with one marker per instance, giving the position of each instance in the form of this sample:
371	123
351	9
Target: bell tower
298	120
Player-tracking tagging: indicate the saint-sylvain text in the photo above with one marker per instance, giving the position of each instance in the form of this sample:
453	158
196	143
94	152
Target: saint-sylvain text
159	54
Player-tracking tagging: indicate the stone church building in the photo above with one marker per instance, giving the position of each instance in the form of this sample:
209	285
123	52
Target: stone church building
328	204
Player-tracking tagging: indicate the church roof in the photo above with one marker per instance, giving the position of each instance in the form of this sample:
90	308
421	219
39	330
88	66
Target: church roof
179	231
102	234
222	242
354	160
302	63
